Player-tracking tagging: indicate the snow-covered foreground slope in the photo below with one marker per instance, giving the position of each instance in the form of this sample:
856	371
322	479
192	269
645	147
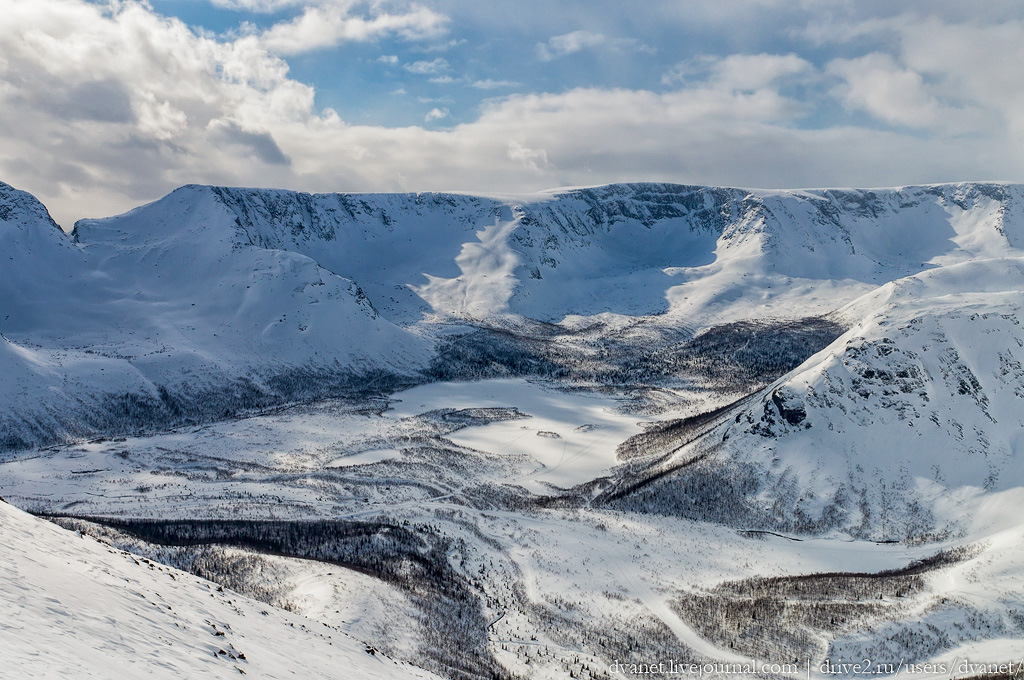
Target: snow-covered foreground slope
71	607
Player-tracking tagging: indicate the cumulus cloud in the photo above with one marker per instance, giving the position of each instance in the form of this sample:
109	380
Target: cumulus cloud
260	145
876	84
973	65
152	91
942	76
533	159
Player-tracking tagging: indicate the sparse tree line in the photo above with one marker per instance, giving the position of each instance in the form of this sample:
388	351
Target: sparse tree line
413	558
739	356
790	617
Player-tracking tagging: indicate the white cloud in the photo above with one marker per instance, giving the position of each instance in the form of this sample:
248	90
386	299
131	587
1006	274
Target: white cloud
956	78
427	67
102	108
158	119
973	65
388	59
756	71
532	159
876	84
568	43
259	5
442	47
436	114
489	84
157	94
325	26
746	72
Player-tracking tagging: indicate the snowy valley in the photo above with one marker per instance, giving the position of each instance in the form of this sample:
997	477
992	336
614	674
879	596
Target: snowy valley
515	436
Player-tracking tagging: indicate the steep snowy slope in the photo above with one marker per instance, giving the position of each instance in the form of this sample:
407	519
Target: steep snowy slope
165	315
634	249
37	262
41	388
179	273
74	607
902	426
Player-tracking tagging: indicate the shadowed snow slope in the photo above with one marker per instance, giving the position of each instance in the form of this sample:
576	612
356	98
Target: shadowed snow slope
902	426
76	608
633	249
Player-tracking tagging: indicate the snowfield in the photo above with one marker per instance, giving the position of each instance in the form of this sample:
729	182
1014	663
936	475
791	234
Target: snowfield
74	607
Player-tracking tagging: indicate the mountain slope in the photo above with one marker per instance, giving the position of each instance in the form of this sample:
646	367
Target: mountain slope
74	607
635	249
39	263
213	301
899	428
166	317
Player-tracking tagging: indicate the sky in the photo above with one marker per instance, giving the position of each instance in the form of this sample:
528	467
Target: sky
105	105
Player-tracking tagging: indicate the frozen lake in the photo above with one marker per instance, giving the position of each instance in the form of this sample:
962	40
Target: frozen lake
572	436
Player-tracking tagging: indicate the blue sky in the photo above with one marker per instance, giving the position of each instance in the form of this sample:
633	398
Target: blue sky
106	104
485	50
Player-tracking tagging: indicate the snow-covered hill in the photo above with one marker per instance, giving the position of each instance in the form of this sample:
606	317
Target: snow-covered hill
902	427
73	607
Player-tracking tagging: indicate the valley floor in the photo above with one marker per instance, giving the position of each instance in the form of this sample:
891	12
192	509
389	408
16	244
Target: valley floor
454	526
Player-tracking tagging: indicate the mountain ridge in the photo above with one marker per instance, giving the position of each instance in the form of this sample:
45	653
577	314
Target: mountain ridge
256	297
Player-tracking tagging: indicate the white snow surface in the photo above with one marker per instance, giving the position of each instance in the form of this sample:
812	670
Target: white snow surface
571	437
73	607
913	414
222	296
907	425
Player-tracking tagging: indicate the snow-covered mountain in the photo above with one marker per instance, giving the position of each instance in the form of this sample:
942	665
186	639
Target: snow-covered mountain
534	520
901	427
166	314
212	301
634	249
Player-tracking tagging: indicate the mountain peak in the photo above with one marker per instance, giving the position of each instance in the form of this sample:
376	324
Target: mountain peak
19	208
